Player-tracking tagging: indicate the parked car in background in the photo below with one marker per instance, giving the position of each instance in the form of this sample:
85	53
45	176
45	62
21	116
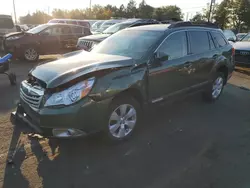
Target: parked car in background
108	88
97	25
44	39
6	26
22	27
107	24
91	22
239	36
88	42
242	51
83	23
229	34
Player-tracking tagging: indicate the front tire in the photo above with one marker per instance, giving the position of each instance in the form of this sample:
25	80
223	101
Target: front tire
31	54
123	117
215	90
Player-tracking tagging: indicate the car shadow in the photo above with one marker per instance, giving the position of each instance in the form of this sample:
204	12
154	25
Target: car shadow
95	162
67	159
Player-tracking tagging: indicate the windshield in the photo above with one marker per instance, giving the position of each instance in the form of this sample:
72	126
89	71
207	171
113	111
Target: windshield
37	29
246	38
117	27
6	23
97	24
136	45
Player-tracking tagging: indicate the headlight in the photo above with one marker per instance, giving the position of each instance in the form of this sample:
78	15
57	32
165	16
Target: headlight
71	94
13	38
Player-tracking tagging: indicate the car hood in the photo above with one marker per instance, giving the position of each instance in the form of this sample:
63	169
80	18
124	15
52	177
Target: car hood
98	37
242	46
16	34
63	70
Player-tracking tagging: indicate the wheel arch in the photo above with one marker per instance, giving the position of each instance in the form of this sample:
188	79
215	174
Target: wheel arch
223	69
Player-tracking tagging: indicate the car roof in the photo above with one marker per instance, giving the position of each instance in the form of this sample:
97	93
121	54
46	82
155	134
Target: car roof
5	16
64	24
113	21
165	27
65	19
156	27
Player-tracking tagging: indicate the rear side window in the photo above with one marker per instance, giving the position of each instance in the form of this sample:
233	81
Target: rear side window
174	47
85	24
199	42
219	39
72	22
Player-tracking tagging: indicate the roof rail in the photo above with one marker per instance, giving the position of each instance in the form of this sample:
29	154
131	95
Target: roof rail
191	24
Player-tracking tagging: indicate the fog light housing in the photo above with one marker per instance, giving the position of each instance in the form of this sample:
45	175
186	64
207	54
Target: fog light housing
65	133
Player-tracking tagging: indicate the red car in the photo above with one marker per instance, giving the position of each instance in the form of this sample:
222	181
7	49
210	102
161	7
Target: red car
44	39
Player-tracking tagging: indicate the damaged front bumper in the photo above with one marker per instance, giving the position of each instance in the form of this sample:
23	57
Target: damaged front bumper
20	116
78	120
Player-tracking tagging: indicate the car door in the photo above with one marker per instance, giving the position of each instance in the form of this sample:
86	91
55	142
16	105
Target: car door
203	56
50	40
169	71
68	39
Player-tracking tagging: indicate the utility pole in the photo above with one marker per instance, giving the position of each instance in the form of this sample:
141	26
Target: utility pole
14	8
90	7
187	16
210	10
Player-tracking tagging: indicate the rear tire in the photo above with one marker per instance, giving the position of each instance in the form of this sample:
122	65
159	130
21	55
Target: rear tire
123	116
216	88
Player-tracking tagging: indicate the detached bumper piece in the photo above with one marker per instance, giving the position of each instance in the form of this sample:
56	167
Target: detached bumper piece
20	117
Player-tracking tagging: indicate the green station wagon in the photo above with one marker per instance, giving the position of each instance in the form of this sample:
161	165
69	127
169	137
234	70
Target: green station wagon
108	88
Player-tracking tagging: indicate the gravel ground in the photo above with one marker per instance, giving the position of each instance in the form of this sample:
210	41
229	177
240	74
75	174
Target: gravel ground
187	144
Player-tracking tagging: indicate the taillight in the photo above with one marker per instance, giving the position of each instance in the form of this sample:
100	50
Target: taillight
233	51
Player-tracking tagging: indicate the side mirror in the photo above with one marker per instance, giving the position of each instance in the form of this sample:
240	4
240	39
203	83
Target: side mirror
231	39
161	56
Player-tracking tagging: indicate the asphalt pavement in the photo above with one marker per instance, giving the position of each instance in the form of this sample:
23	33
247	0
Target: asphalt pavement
183	145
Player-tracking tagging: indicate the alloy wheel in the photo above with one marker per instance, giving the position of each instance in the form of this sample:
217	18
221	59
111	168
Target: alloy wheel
122	121
30	54
217	87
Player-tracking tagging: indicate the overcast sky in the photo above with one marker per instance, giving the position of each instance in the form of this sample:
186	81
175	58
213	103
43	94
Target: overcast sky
25	6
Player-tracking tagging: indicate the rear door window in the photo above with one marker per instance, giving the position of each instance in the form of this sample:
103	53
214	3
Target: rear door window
219	39
66	30
211	42
199	42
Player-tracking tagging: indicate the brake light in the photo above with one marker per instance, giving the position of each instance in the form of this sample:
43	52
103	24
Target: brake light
233	51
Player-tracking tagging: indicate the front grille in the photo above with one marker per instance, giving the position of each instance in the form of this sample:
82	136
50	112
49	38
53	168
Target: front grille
32	95
242	56
86	44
